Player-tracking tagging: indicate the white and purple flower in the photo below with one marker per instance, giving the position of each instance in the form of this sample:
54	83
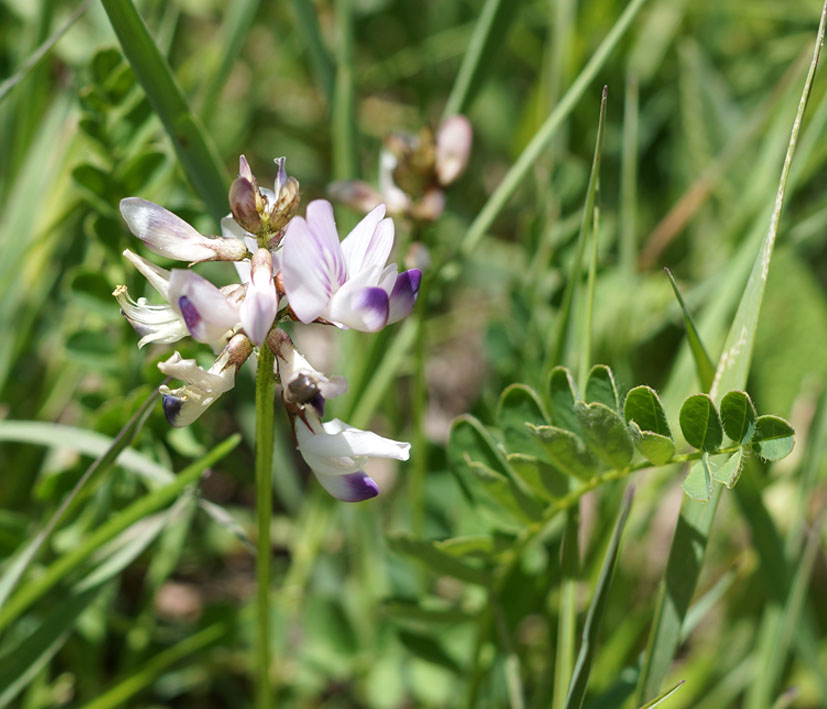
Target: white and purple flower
345	283
336	453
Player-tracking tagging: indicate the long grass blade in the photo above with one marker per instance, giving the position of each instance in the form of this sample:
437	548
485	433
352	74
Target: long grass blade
696	518
588	644
703	362
126	435
320	59
489	32
40	53
36	588
191	143
509	184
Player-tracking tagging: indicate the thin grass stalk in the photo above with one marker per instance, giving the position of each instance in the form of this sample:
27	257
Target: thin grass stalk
471	60
696	518
265	392
36	588
320	60
509	184
567	616
628	176
157	665
344	98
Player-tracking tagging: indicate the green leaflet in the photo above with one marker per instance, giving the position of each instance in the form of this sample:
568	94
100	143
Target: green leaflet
700	423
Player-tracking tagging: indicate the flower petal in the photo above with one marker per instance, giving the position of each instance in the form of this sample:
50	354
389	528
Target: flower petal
154	323
258	311
206	311
363	309
370	242
339	439
231	229
453	146
158	277
351	487
306	282
355	194
163	232
202	388
404	294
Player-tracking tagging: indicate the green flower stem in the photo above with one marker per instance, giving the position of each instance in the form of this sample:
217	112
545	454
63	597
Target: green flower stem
265	391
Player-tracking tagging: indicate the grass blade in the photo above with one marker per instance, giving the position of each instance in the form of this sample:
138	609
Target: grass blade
695	522
344	97
588	644
703	362
127	434
509	184
489	31
144	676
38	55
194	150
556	349
661	697
139	509
320	59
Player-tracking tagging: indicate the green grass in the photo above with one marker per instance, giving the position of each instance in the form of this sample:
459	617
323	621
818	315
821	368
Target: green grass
463	584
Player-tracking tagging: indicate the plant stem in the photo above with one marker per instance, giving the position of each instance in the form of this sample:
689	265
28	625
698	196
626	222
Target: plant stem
265	391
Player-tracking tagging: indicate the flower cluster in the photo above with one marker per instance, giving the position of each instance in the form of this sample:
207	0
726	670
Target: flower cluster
290	268
413	171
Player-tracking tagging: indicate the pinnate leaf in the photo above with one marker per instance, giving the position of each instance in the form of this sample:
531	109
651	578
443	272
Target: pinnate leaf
605	433
698	482
600	387
657	449
774	437
738	416
538	474
643	406
562	395
566	451
700	423
730	471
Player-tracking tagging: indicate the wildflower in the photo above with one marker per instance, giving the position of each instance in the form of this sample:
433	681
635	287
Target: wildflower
202	387
413	170
347	284
170	236
334	451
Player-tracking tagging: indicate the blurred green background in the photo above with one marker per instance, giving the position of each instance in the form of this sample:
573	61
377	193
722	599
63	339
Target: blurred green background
702	95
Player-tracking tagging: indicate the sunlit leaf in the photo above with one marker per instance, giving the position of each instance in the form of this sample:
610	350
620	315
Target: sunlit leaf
700	423
729	472
774	438
698	482
655	448
738	416
562	395
605	434
600	387
643	406
566	451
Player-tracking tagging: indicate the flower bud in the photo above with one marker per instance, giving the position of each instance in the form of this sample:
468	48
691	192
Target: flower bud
453	147
243	204
285	204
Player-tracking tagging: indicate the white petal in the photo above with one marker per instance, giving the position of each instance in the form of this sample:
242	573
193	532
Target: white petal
308	282
370	242
158	277
154	323
163	232
453	146
258	311
341	440
206	311
231	229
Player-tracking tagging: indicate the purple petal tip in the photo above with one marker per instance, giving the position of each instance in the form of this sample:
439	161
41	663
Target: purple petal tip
357	487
